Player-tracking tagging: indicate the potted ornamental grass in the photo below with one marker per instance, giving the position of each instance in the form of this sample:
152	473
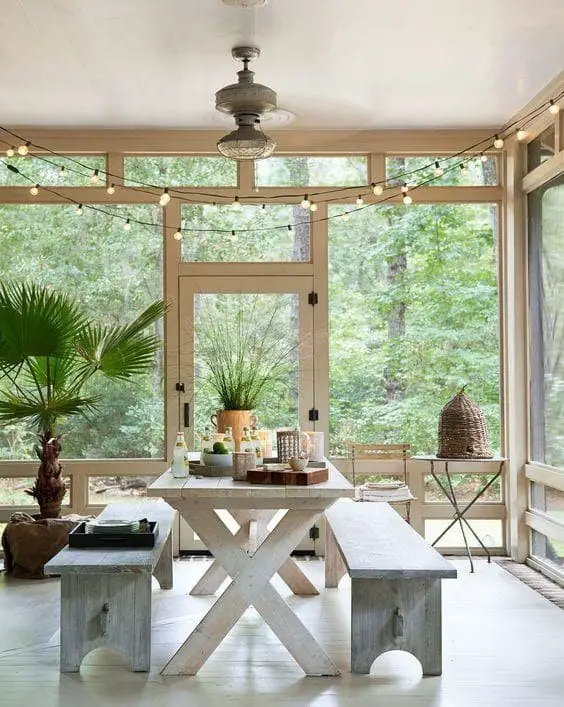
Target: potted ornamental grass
246	357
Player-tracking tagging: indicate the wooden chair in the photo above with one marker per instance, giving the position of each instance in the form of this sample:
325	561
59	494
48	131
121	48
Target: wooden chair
384	452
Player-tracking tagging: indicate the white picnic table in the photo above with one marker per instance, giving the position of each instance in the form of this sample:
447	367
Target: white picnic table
250	557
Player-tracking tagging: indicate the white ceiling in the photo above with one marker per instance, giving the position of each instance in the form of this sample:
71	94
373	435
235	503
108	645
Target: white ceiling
334	63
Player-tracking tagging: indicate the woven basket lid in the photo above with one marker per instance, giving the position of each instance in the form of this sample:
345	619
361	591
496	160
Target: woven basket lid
462	430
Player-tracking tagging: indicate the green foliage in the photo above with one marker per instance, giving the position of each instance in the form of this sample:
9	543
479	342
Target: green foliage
244	352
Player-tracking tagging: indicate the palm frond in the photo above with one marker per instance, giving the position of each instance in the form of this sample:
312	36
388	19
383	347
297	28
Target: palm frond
35	321
43	414
123	351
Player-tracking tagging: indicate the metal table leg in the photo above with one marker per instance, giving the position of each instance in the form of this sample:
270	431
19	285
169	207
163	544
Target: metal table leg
459	515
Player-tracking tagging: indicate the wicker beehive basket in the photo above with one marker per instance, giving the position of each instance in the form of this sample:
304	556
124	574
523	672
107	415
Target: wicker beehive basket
462	430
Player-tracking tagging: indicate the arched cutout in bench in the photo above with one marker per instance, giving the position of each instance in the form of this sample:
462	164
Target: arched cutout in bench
394	665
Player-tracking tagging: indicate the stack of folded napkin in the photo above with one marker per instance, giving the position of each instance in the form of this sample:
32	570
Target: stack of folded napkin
385	491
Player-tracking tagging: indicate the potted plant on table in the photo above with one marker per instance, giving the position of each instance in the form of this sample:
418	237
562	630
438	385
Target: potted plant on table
49	350
246	356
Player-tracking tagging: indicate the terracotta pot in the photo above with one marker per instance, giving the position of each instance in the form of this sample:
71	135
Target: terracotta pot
236	419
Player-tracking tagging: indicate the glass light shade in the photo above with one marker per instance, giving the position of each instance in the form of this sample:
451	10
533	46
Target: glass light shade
248	142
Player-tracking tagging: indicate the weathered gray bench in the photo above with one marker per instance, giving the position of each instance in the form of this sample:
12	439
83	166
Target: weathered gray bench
395	583
106	593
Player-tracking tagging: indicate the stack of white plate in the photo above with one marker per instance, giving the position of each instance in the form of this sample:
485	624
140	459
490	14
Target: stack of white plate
111	526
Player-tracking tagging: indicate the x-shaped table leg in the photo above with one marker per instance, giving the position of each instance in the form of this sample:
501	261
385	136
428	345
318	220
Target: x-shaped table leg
289	571
250	586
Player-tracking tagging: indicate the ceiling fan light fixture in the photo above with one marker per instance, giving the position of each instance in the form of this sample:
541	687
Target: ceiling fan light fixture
247	142
246	101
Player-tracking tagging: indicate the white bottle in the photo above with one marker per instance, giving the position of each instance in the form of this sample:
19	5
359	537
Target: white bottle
246	442
228	440
206	441
179	466
257	446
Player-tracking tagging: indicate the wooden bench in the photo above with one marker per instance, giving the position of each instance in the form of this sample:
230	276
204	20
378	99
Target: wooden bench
106	593
395	583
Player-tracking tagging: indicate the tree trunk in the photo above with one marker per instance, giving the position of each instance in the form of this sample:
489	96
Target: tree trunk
49	488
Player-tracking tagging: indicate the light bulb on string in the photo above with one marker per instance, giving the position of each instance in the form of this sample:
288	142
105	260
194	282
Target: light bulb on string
24	149
404	188
439	171
10	152
313	206
79	210
345	215
553	108
407	199
378	189
236	205
127	225
484	158
359	200
165	198
34	191
290	229
463	167
305	203
95	178
498	142
177	235
111	189
214	206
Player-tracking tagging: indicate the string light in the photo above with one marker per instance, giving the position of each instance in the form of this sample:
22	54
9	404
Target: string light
521	135
79	210
94	179
484	158
439	171
345	215
378	189
24	149
407	199
359	200
127	225
34	191
553	108
463	167
306	203
498	142
178	235
264	207
10	152
290	228
236	205
62	169
404	188
111	189
165	198
313	207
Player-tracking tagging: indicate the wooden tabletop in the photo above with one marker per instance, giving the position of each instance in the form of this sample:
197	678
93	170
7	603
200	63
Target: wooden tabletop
208	488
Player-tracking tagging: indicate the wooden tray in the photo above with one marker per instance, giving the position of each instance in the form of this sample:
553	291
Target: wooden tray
288	477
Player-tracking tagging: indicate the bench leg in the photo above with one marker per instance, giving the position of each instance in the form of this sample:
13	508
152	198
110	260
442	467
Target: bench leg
396	615
335	568
105	610
163	568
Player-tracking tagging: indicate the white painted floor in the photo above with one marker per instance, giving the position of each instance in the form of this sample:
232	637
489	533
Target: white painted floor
503	645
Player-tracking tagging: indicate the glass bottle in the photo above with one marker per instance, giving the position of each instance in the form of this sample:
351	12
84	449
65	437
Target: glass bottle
179	465
228	440
257	446
246	441
206	441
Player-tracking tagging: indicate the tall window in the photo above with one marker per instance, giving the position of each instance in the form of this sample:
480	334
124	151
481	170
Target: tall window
413	299
114	274
546	265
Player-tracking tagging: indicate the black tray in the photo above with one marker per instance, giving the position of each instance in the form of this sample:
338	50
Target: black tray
79	538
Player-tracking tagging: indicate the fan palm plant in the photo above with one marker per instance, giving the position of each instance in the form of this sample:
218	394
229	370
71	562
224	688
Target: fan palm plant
49	350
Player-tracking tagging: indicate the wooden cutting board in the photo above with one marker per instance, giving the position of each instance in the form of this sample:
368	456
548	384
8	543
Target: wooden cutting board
288	477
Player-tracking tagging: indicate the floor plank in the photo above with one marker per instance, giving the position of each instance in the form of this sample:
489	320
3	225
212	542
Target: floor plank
502	645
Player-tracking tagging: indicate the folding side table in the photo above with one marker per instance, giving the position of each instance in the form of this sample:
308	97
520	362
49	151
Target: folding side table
448	490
